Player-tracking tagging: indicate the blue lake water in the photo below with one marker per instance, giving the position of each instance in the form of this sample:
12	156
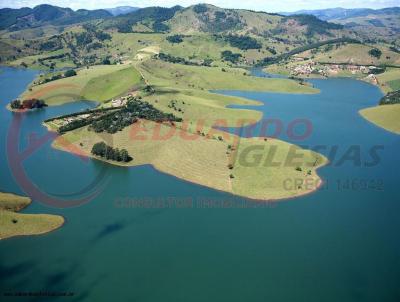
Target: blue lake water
337	244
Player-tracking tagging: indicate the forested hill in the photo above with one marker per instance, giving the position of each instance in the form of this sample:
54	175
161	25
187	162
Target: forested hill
201	18
26	17
204	18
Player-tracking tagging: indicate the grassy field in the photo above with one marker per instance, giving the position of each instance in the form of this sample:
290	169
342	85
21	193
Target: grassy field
107	86
385	116
98	83
356	54
33	61
16	224
205	159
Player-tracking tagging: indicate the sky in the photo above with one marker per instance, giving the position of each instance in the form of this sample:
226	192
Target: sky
263	5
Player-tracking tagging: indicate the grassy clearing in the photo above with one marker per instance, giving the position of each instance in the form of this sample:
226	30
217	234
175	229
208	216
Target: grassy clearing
107	86
385	116
16	224
394	84
33	61
98	83
205	160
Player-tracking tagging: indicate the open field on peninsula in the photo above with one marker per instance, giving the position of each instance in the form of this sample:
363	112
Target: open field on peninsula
385	116
18	224
217	160
97	83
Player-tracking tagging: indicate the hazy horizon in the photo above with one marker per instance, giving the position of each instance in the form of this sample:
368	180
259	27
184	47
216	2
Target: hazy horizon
271	6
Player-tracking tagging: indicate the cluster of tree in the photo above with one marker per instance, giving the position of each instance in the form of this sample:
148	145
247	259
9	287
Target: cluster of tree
207	62
87	111
135	109
271	50
103	150
149	89
83	39
106	61
67	74
27	104
229	56
94	115
90	34
94	46
314	25
53	57
172	59
178	60
79	44
50	45
158	15
75	124
144	110
223	22
175	39
52	78
160	27
200	8
375	52
243	42
114	122
391	98
173	105
124	27
220	20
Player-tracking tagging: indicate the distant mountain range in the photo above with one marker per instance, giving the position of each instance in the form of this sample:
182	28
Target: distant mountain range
39	15
306	26
121	10
344	13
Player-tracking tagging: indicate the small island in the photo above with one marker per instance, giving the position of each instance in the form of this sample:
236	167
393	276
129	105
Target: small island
14	224
27	104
